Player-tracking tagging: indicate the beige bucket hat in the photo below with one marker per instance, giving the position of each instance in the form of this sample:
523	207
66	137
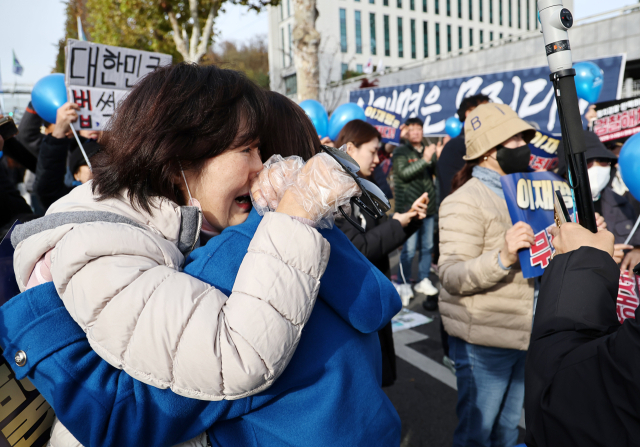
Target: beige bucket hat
490	124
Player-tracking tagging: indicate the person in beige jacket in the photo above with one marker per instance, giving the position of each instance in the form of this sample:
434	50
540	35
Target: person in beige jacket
485	303
178	163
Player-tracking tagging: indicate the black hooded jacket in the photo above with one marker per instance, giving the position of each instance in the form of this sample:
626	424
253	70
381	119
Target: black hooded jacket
582	380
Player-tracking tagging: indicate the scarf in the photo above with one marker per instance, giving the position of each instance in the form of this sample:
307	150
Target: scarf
490	178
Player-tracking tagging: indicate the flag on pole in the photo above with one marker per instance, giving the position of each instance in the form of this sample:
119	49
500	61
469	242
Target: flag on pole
380	67
17	68
81	35
368	68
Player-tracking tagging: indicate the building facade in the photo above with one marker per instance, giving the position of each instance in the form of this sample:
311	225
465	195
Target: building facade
390	33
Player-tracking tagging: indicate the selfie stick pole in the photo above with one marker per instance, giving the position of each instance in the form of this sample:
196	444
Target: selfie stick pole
84	154
555	21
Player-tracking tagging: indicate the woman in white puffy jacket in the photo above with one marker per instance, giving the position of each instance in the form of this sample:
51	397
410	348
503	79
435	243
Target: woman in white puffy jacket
114	246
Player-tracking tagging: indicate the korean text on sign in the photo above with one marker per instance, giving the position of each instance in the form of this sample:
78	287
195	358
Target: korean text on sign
99	76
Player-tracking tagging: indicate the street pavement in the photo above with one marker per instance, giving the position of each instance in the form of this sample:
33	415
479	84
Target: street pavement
424	393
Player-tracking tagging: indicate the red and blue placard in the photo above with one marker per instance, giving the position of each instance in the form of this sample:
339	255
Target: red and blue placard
387	123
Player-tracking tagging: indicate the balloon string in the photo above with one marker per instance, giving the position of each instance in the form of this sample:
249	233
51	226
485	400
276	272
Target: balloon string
84	154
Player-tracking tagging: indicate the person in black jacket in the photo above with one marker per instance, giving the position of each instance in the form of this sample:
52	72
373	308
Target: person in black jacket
58	151
451	162
381	236
582	380
12	204
617	211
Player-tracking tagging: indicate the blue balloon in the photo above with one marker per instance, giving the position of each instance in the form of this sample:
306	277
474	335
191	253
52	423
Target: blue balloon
342	115
318	115
48	95
453	126
629	165
589	81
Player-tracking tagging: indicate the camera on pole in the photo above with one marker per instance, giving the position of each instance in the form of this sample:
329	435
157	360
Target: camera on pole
555	20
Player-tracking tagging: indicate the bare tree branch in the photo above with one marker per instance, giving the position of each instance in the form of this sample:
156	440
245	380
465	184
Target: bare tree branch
180	43
208	29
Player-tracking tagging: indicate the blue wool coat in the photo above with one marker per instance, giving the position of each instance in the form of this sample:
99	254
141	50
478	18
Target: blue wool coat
328	395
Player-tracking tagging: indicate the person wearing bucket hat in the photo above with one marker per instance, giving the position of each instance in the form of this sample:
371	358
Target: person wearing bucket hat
486	304
617	211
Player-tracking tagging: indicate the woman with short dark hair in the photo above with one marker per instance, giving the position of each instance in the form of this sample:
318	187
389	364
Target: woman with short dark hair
114	247
383	236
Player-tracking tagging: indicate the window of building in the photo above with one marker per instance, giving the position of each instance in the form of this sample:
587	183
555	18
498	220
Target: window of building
413	39
460	38
400	43
344	68
358	33
481	37
357	1
387	38
288	8
281	12
412	5
500	36
437	39
425	39
519	15
528	16
536	18
471	37
490	11
372	32
291	85
399	4
343	30
290	45
372	2
359	68
437	6
385	2
510	22
449	38
448	8
459	9
284	58
470	9
500	11
424	5
491	36
480	10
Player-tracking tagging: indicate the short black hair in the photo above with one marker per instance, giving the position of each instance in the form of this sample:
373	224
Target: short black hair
414	120
471	102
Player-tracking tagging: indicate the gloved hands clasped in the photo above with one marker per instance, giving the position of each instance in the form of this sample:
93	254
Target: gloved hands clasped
319	186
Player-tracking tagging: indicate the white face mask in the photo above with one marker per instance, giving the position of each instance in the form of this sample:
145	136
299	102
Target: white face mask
599	177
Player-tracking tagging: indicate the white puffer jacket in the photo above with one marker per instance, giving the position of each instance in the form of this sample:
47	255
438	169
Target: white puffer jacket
118	272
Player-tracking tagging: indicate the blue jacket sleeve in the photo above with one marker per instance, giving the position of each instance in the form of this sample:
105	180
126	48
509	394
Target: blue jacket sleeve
355	288
99	404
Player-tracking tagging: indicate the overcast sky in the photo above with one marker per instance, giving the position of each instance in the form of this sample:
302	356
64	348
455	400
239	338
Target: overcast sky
32	29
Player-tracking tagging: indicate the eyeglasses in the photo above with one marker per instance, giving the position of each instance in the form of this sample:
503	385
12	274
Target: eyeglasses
372	201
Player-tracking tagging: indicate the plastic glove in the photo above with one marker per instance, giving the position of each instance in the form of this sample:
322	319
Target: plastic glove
271	183
321	187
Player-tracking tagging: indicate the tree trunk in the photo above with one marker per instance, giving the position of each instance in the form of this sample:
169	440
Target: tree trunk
306	41
193	49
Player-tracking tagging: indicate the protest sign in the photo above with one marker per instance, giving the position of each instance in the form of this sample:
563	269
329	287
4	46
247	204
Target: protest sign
387	123
529	199
25	417
99	76
544	152
407	319
527	91
617	119
627	301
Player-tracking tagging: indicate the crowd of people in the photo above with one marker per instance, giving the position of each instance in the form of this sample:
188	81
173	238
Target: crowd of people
185	315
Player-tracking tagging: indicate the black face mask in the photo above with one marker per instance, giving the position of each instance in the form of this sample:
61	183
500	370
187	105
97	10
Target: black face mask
513	160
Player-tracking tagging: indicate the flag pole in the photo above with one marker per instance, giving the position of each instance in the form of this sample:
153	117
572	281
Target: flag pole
84	154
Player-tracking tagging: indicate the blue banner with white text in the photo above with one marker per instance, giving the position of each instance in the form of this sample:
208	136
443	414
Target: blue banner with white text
529	198
529	92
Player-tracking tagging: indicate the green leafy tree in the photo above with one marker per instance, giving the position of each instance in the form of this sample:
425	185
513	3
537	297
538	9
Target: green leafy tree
252	58
182	28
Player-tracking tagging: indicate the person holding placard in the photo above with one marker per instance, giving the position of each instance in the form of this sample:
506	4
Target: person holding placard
485	302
